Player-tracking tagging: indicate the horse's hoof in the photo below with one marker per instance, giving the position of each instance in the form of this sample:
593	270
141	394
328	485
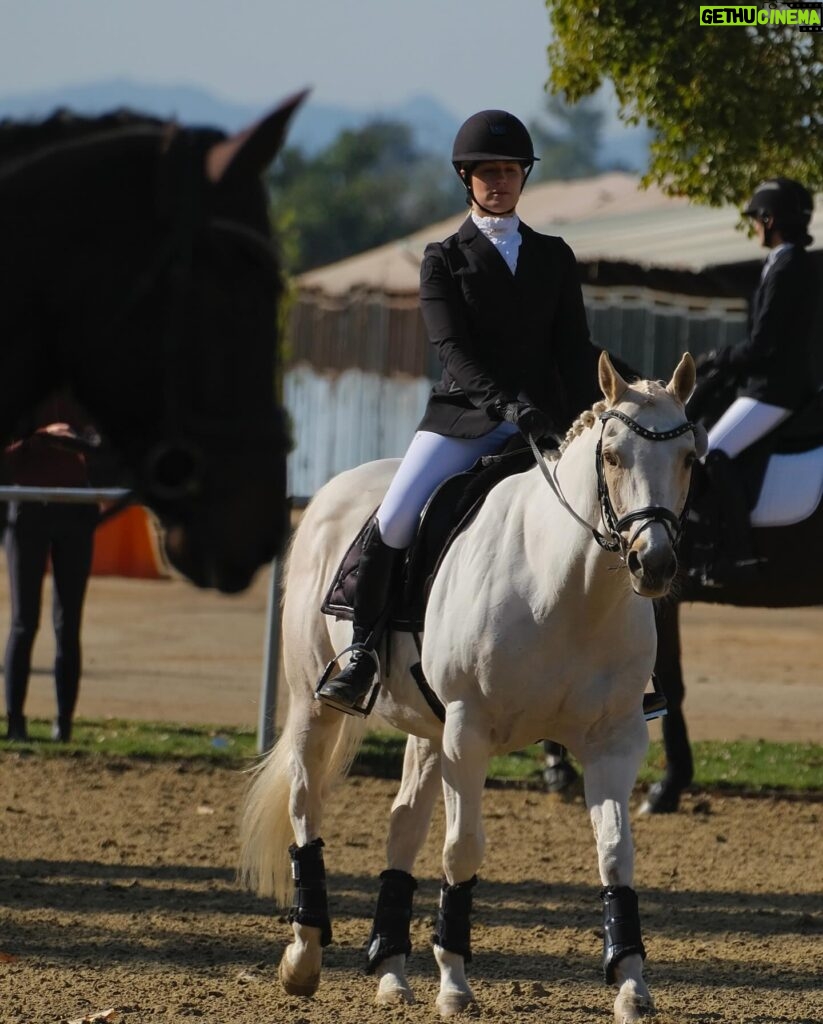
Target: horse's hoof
632	1007
662	798
293	986
558	778
394	995
453	1003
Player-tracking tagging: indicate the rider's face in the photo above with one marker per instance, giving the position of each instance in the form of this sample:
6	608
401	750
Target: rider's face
497	184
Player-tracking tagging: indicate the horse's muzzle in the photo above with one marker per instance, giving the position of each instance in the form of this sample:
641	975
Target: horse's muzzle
652	568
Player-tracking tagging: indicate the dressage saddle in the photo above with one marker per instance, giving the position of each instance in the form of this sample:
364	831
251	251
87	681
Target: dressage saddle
448	512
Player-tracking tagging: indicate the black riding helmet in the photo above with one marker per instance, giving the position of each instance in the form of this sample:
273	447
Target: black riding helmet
491	135
787	202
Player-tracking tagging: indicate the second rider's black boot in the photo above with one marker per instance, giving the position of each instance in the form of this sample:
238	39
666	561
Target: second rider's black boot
375	578
735	562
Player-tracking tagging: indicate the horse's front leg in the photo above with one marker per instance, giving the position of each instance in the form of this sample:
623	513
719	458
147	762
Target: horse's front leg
664	796
608	780
390	941
464	763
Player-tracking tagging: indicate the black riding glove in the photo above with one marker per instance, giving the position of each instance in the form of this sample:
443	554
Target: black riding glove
528	419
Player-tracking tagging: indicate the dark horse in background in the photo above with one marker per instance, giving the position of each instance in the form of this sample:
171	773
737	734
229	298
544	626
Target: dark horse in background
789	574
137	269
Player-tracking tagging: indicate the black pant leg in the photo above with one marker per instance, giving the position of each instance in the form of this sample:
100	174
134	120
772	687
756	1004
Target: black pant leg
72	547
27	551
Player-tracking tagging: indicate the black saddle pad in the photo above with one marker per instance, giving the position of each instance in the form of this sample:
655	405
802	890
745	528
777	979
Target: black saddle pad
803	430
450	509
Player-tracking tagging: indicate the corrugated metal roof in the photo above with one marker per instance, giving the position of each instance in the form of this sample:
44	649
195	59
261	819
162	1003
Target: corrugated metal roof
603	218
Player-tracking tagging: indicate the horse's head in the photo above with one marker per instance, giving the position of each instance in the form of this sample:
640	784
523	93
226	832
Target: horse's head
645	456
164	281
216	476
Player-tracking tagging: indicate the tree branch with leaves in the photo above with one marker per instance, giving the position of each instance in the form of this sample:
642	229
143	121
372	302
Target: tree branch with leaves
728	106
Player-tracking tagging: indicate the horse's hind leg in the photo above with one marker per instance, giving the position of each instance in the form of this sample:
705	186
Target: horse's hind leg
608	779
323	744
291	786
464	763
390	941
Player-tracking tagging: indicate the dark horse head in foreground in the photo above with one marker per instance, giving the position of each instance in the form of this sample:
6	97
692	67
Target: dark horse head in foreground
137	268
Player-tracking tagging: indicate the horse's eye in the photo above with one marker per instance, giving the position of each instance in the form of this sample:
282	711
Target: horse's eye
610	458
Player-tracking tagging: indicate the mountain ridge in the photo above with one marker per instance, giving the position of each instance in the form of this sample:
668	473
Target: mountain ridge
316	125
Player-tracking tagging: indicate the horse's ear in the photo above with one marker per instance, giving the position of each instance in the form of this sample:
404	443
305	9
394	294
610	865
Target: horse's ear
683	379
611	383
249	153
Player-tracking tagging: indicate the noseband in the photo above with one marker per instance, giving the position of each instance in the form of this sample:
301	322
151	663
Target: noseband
649	514
613	539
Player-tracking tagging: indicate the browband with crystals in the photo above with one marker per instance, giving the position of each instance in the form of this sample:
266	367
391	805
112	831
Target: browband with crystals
649	435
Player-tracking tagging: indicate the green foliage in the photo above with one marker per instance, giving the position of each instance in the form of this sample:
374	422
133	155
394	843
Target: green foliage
728	106
368	187
751	766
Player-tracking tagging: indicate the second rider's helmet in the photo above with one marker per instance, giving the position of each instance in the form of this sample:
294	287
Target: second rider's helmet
786	201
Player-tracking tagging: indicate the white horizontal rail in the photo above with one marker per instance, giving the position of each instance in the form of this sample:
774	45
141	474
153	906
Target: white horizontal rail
68	495
268	696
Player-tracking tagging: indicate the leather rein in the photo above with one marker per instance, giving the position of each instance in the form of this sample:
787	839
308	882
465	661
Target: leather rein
613	539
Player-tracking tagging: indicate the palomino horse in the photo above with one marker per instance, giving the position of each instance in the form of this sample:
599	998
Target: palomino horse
137	268
532	629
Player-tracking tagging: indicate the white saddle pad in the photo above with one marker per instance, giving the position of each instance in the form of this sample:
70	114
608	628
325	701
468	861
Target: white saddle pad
792	489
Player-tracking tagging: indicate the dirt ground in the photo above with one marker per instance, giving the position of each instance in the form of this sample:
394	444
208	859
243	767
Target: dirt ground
117	884
117	888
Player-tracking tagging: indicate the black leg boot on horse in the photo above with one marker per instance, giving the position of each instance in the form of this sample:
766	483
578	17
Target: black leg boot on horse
736	560
371	606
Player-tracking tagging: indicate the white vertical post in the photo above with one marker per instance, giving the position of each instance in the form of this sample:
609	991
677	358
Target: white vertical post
271	656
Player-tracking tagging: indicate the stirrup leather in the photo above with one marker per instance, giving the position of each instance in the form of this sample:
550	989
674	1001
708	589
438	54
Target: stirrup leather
363	709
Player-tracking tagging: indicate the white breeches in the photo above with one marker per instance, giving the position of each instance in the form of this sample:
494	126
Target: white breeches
744	422
430	459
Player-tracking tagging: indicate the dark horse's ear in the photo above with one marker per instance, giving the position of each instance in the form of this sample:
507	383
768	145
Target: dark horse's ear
250	152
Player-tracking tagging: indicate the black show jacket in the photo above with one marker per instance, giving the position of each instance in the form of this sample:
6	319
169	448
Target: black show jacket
502	336
774	363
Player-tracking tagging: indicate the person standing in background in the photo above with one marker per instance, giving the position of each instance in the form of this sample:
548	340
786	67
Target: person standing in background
48	450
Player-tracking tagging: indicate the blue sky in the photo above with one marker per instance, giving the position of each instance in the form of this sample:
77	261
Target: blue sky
469	54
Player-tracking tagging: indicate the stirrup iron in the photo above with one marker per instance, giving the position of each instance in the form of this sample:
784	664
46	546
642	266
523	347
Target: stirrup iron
364	709
655	704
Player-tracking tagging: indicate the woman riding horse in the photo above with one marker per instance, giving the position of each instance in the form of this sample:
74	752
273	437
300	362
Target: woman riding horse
772	366
503	306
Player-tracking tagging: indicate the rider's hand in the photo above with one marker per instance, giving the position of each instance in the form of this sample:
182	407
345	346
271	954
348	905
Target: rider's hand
528	419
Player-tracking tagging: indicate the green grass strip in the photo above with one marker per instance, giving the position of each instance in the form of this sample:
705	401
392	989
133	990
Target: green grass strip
751	766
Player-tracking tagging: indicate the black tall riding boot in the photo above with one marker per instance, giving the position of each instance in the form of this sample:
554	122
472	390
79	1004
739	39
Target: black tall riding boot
736	559
372	594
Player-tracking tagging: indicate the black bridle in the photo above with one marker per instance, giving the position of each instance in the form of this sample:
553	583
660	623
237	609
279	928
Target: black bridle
649	514
613	539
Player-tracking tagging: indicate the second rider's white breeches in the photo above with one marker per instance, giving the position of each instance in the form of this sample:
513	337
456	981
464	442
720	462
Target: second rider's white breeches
744	422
